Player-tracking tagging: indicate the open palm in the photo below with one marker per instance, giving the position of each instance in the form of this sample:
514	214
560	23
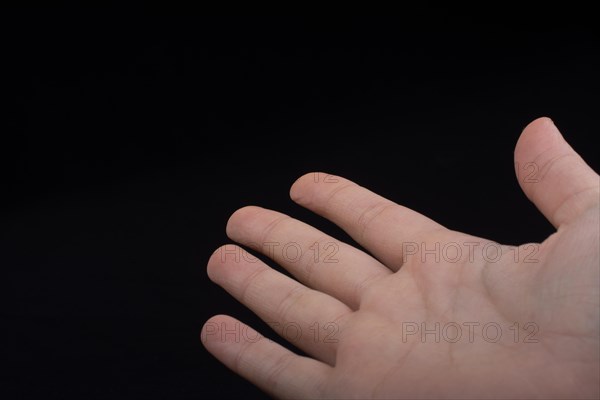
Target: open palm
433	313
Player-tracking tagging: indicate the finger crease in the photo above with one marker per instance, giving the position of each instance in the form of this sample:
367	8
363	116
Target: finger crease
271	227
369	215
250	279
291	298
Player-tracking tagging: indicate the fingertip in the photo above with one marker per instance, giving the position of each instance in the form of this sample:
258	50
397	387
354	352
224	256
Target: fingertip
236	220
213	263
211	330
296	190
218	258
543	126
537	137
206	332
299	189
552	174
541	121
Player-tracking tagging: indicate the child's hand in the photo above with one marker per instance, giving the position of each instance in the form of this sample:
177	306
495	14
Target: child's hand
433	312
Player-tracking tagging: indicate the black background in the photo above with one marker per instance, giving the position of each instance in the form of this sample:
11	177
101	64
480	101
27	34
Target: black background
128	141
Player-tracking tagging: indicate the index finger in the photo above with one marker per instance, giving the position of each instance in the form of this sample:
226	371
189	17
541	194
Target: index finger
378	224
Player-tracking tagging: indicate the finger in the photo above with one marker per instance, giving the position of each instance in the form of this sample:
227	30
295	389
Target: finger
553	175
263	362
303	316
316	259
380	225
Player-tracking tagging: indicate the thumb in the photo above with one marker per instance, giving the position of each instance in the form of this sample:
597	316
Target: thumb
552	175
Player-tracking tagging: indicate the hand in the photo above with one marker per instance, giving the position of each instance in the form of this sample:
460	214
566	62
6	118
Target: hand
388	325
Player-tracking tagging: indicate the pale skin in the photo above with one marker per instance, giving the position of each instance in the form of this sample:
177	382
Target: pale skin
374	304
